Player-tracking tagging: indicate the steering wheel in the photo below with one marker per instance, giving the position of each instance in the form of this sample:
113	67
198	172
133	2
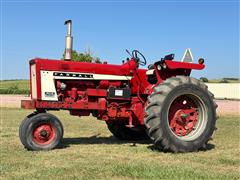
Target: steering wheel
134	55
141	61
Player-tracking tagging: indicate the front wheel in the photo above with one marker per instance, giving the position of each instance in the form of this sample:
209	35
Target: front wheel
40	131
180	115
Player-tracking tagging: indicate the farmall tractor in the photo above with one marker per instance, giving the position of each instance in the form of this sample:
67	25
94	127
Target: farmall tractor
163	102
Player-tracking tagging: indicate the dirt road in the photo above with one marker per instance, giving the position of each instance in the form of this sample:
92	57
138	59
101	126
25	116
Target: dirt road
224	106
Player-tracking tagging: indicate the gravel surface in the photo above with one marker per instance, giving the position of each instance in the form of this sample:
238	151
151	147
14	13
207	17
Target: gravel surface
228	107
12	100
224	106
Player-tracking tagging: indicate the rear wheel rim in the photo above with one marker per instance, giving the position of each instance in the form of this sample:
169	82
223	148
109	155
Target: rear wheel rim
187	117
44	134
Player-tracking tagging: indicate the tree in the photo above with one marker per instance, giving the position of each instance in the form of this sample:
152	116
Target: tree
84	57
204	79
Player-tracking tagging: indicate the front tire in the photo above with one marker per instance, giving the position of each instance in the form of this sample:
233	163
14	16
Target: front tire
180	115
40	131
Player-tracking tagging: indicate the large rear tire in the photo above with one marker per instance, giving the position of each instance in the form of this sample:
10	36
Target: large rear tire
40	131
122	132
180	115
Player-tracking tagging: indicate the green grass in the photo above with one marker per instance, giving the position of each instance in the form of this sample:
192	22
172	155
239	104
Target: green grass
14	87
89	151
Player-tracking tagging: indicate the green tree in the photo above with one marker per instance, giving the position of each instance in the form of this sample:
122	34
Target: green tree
204	79
84	57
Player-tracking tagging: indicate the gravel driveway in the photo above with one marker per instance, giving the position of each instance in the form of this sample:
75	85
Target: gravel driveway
224	106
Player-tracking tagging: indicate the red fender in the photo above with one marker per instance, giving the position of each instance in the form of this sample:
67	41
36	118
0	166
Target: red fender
183	65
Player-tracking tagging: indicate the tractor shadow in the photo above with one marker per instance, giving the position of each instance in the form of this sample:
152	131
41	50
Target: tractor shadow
208	147
96	139
67	142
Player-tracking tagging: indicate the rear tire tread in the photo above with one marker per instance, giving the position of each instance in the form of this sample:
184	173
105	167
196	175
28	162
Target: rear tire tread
152	119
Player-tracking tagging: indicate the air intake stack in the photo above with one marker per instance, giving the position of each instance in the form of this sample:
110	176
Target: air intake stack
69	41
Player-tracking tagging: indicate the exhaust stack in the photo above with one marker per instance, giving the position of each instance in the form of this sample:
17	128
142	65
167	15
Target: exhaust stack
69	41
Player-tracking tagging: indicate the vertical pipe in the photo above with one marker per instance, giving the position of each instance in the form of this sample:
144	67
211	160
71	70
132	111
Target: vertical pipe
69	41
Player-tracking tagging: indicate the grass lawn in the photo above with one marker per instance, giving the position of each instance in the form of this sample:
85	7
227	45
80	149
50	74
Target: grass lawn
89	151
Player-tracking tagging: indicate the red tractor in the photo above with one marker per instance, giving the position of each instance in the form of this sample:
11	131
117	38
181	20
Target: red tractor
162	102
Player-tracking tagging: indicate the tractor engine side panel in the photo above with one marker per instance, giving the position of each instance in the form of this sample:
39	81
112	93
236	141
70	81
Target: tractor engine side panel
49	78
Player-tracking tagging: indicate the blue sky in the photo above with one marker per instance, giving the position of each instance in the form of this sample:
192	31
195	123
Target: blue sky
35	29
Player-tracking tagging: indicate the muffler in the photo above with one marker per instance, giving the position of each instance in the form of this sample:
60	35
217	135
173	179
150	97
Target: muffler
69	41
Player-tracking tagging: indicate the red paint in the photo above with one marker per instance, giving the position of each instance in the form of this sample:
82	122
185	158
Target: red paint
183	65
74	93
83	96
84	67
28	104
44	134
71	105
97	92
182	116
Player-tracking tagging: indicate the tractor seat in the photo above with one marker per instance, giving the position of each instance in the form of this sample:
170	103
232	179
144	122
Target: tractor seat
150	70
150	66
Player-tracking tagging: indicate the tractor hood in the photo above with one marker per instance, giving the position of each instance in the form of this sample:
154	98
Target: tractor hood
125	69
